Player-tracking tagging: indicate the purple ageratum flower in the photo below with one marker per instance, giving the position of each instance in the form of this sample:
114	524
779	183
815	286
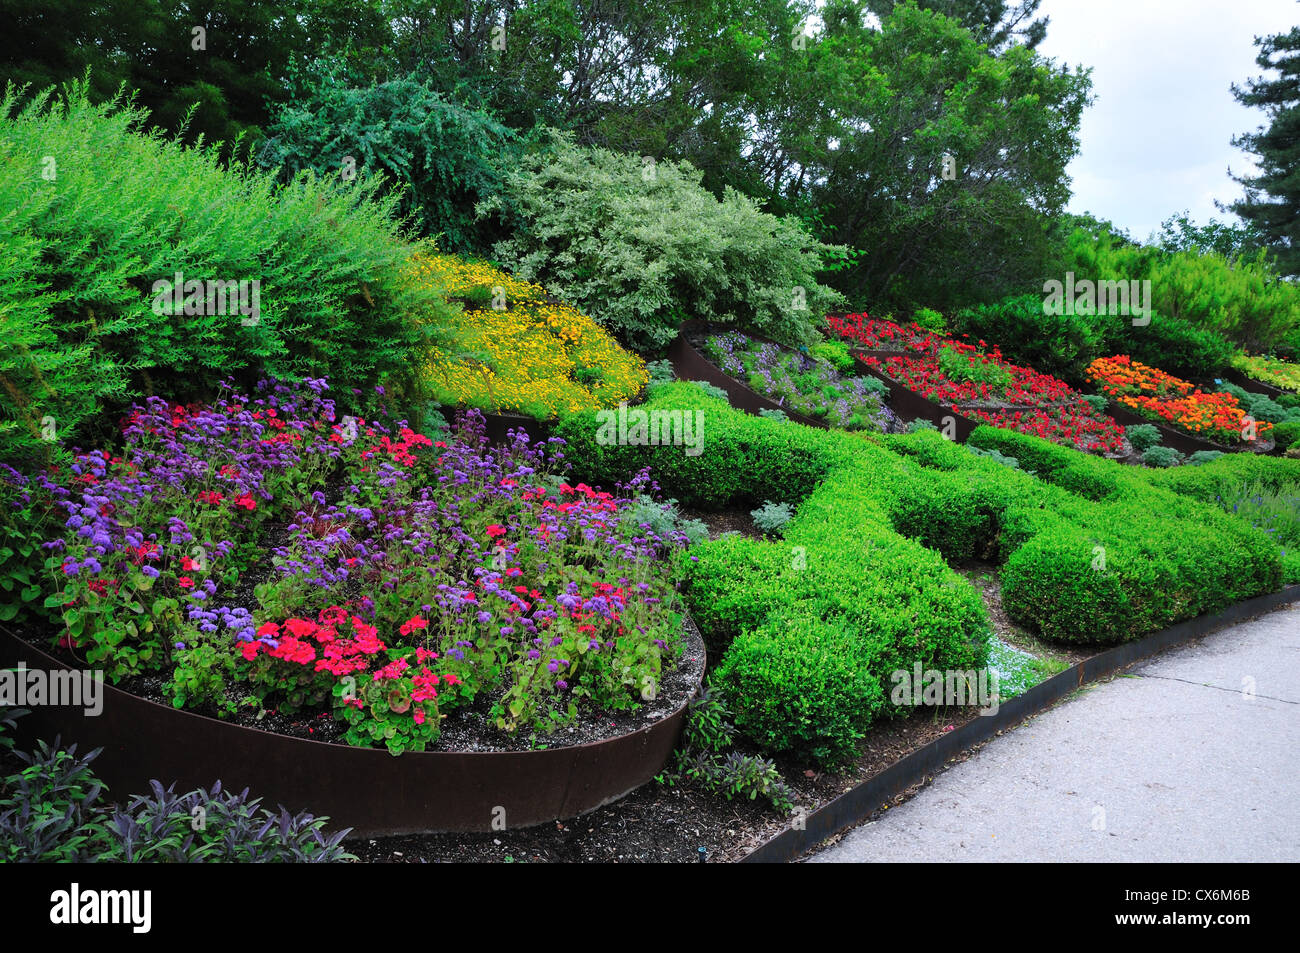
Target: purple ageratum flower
150	571
507	630
561	684
553	665
534	655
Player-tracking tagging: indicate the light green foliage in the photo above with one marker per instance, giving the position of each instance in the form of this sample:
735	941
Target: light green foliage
85	234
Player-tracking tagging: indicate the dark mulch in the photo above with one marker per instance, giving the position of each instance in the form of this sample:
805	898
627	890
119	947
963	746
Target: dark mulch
724	521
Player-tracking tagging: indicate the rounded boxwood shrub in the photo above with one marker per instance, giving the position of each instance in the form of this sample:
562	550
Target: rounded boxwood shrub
799	684
1287	434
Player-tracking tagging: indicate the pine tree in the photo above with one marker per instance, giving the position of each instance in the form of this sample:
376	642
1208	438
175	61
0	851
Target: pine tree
1278	147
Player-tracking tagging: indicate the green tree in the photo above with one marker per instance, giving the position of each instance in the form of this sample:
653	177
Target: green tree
1272	201
443	156
943	163
225	57
996	23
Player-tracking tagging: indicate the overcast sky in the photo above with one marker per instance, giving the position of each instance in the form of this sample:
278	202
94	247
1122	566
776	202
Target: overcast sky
1156	141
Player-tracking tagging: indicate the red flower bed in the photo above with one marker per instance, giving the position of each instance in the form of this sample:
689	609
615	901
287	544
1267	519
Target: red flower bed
981	385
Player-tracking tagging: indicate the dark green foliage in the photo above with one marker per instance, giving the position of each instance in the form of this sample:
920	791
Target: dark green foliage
1287	434
1272	200
443	156
703	757
1061	345
53	811
229	73
1142	436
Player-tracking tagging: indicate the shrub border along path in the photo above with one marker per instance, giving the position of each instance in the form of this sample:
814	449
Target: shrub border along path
810	627
859	804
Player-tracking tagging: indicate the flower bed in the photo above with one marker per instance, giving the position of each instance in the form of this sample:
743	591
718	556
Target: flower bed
1280	374
981	385
1162	397
517	350
798	382
412	578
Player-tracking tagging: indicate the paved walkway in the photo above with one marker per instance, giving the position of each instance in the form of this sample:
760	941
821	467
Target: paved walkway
1176	761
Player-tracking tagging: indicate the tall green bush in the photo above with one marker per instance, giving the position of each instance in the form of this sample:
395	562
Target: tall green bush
442	155
641	246
94	215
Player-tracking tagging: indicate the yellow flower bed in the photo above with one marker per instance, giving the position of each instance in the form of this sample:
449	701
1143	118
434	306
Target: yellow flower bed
1269	370
538	358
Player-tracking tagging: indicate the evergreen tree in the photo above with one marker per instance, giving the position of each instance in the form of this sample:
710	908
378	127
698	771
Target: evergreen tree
1278	149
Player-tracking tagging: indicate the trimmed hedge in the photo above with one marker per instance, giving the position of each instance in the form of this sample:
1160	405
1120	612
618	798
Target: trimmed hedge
1093	552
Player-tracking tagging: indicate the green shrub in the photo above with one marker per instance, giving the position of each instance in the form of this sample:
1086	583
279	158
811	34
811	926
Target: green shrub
835	353
641	247
1173	345
1092	552
770	517
1286	434
89	253
1239	298
798	685
931	320
1159	456
442	156
1060	345
1204	456
773	414
1142	436
1097	402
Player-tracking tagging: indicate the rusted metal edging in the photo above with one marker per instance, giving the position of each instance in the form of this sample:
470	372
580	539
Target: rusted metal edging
858	804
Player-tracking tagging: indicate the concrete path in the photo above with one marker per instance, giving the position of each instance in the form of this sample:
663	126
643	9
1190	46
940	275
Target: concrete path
1193	756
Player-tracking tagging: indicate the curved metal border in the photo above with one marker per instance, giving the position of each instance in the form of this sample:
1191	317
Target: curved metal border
1177	439
691	365
366	789
863	800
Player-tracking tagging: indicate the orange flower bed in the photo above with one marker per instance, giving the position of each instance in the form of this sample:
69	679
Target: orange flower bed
1168	399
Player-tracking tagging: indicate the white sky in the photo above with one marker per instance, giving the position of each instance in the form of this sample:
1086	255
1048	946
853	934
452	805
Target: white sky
1156	140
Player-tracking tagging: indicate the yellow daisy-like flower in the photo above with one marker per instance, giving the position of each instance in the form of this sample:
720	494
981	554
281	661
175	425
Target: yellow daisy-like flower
520	351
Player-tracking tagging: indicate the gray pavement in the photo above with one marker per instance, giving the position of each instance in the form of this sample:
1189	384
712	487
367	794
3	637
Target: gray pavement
1193	756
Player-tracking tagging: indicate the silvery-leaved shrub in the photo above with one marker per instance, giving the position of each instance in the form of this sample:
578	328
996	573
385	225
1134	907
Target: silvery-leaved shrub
641	245
770	517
